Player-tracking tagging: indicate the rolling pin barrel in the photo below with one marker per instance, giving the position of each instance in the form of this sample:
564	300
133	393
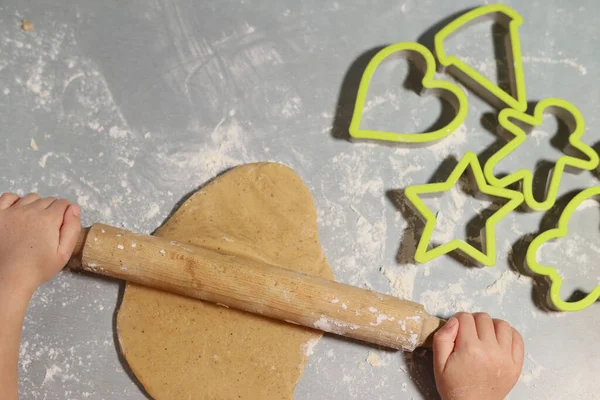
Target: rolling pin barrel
254	287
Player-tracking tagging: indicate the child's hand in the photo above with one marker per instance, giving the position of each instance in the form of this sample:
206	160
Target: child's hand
476	357
37	237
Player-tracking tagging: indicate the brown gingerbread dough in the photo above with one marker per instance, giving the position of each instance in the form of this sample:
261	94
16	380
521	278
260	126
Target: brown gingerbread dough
181	348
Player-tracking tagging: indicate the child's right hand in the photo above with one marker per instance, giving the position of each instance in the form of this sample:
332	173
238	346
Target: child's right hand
476	358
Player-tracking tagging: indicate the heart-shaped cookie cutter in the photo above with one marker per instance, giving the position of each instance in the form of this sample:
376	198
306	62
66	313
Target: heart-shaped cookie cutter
550	272
571	116
488	239
473	79
425	62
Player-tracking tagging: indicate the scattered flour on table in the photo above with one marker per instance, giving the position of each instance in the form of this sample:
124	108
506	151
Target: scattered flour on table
352	215
451	210
402	172
292	107
448	215
532	375
448	301
57	80
402	280
51	373
118	133
486	66
388	98
370	236
153	211
539	135
547	60
448	146
202	160
501	285
373	360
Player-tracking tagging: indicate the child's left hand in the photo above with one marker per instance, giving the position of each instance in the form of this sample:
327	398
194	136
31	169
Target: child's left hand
37	237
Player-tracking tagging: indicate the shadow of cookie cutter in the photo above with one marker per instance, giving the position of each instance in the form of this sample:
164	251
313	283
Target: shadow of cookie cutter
550	272
485	88
425	62
571	116
488	238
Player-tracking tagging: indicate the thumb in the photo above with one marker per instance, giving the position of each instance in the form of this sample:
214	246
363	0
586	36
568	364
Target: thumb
69	232
443	344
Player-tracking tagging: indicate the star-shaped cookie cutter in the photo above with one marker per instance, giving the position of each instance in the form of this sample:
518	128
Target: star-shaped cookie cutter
485	88
550	272
423	254
569	114
425	62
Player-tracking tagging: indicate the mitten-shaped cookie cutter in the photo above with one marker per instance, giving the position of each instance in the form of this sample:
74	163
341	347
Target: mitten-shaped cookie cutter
571	116
425	62
550	272
488	239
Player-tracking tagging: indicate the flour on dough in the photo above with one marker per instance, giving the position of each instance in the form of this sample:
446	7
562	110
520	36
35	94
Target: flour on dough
181	348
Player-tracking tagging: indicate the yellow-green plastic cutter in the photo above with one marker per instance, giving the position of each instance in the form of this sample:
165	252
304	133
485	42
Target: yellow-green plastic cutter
571	116
488	90
488	239
550	272
425	62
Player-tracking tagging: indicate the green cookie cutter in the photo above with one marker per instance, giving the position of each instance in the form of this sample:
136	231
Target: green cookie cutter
472	78
568	113
425	62
423	254
550	272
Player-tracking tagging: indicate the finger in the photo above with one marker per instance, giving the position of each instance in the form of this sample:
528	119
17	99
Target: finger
485	327
44	203
504	334
443	344
7	200
69	232
467	331
30	198
518	347
59	207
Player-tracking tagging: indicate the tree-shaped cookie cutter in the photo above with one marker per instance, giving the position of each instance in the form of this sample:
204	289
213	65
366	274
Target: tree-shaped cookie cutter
488	239
478	83
550	272
571	116
425	62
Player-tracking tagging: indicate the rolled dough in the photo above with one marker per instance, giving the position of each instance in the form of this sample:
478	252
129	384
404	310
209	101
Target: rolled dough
180	348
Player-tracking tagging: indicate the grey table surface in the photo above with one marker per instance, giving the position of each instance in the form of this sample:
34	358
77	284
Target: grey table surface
124	107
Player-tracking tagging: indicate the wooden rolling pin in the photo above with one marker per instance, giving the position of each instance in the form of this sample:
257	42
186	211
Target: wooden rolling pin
254	287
